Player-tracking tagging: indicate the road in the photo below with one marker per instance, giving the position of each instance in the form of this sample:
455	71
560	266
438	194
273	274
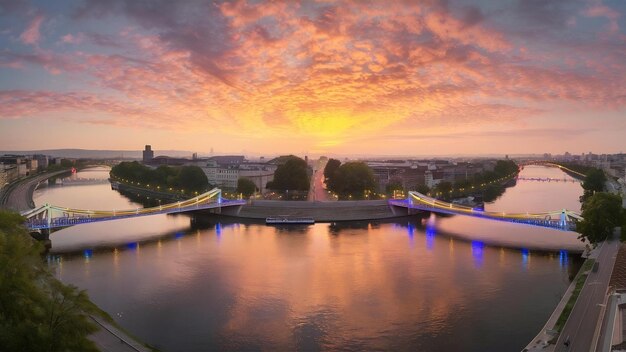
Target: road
317	191
581	324
19	196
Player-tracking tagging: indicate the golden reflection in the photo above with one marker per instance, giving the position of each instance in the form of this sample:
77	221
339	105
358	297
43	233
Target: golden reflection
116	260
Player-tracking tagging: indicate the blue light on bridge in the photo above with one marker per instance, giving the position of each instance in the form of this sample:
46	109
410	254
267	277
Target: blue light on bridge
132	246
477	252
87	253
179	235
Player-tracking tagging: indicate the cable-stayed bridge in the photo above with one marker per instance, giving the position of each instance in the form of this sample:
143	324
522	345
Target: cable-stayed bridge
50	216
558	219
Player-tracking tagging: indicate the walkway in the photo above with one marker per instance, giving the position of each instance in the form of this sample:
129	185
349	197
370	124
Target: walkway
580	327
111	339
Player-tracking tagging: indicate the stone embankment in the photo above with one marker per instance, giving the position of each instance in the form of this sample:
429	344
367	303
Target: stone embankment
319	211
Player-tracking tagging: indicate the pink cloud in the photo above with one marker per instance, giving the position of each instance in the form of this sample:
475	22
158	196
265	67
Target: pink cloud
31	35
600	10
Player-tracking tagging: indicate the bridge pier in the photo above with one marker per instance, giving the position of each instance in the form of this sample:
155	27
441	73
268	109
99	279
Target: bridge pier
42	236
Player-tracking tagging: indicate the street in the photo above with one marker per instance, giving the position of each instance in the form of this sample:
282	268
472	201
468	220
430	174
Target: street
581	324
318	192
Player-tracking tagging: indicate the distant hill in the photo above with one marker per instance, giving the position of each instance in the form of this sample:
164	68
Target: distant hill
98	154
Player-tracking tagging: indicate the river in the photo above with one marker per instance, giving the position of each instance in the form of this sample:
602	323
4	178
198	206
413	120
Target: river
202	283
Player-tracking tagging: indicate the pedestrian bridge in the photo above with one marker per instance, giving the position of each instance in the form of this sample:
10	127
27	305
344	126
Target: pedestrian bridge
52	216
560	219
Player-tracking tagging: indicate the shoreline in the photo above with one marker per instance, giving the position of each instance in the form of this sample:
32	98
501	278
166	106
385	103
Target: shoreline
18	196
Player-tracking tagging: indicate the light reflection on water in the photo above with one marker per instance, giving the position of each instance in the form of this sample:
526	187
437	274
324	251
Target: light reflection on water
209	283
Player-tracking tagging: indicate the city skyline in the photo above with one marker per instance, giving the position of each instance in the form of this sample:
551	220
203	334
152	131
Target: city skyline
347	78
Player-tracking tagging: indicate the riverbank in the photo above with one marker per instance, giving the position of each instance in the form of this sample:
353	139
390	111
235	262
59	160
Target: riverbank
18	196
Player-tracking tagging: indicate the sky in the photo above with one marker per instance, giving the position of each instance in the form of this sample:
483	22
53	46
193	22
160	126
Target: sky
314	77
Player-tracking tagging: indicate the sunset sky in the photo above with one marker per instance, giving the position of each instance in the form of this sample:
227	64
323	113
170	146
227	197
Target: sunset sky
316	77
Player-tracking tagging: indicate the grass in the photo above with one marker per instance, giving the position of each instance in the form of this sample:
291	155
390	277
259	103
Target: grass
580	281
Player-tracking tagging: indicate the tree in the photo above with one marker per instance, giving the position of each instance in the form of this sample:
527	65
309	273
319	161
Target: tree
331	166
593	182
444	187
353	180
193	179
37	312
395	184
601	213
291	175
422	188
246	187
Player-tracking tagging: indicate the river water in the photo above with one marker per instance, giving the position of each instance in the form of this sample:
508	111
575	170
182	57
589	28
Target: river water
203	283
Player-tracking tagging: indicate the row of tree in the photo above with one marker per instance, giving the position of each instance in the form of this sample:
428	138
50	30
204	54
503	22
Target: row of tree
37	312
601	211
187	178
486	181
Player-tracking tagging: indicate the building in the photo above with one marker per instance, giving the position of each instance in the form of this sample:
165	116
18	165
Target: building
148	154
227	175
8	174
42	161
19	161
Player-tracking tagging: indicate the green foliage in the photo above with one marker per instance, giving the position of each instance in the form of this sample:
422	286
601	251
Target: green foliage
487	181
352	180
246	187
583	169
189	178
292	175
601	213
192	178
331	166
10	221
394	185
443	187
423	189
504	168
594	182
37	312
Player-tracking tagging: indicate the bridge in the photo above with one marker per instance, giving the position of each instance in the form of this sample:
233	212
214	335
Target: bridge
548	179
561	219
552	164
49	216
80	181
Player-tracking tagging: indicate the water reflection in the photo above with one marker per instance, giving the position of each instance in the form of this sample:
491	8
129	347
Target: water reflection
477	252
563	258
525	257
